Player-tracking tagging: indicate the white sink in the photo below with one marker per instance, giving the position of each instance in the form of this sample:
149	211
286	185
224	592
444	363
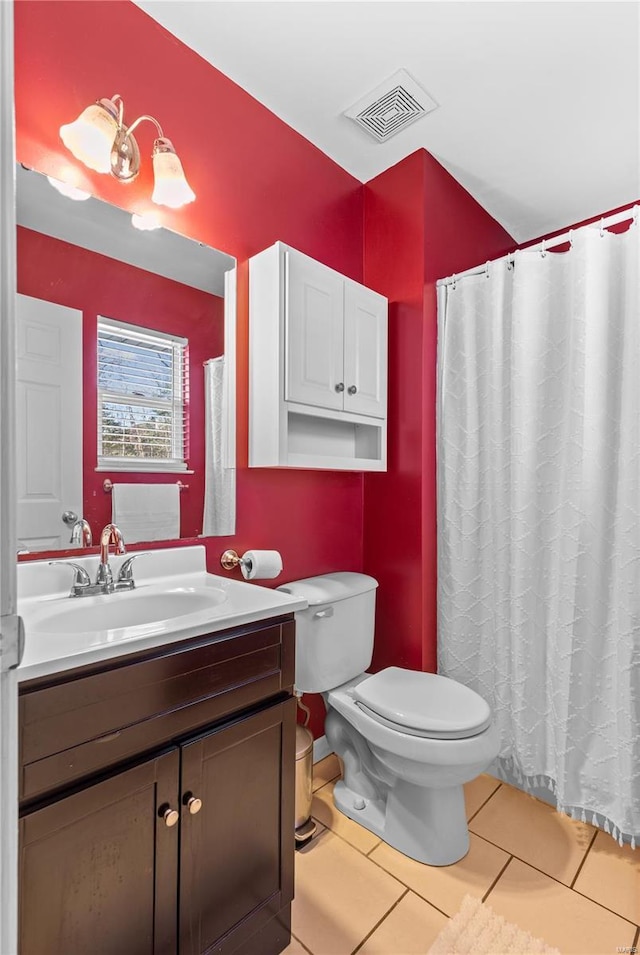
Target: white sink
123	610
174	599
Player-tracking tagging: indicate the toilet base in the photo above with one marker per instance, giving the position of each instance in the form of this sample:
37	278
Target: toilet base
426	824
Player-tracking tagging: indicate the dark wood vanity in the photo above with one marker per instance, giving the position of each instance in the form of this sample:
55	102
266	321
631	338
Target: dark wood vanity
156	800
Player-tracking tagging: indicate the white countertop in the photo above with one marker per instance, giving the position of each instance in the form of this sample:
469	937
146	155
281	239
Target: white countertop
41	599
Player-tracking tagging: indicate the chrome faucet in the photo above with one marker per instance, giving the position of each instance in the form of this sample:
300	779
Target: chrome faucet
81	533
80	529
110	534
82	586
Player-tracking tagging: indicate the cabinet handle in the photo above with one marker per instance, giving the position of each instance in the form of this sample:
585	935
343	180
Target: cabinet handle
340	386
193	804
352	389
169	815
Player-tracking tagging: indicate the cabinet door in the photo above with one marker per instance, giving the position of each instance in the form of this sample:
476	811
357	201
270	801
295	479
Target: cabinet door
313	333
236	862
365	351
98	868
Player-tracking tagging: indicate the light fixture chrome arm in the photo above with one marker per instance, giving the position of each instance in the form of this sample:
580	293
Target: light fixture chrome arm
119	104
141	119
100	139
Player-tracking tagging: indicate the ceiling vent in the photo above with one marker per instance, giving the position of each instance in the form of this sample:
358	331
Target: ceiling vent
391	107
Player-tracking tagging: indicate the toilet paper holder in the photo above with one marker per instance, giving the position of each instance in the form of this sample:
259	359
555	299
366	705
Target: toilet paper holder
231	559
262	564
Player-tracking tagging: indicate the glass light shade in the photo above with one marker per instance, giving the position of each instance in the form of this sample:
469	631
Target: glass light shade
90	137
66	189
170	185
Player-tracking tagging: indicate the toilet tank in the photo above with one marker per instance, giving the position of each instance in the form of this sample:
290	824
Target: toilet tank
334	635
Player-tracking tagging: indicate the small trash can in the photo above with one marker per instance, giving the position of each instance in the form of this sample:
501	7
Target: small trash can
305	826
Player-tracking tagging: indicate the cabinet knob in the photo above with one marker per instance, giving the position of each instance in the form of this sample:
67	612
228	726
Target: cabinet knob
169	815
352	389
194	805
340	386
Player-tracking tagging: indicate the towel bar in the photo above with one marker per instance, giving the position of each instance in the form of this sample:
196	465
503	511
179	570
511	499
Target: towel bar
107	486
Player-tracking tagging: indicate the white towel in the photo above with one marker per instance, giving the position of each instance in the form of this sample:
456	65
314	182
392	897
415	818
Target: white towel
146	512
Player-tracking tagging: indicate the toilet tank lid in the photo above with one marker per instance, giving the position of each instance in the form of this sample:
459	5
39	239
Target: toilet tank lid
329	588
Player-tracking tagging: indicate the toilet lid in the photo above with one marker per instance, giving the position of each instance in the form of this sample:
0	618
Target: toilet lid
428	704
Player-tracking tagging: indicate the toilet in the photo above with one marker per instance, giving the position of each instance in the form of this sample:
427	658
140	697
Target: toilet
407	740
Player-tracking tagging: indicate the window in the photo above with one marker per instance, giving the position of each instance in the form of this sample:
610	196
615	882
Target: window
142	398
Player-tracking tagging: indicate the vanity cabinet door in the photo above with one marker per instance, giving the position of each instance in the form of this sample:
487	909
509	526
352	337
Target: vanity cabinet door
98	868
237	848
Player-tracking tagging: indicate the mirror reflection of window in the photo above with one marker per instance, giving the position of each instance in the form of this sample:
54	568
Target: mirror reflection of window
143	392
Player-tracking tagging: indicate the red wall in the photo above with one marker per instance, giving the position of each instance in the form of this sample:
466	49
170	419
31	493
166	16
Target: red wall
420	225
256	181
97	285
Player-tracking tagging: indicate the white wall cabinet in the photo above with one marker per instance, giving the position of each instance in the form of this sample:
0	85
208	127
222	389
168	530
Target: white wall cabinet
317	366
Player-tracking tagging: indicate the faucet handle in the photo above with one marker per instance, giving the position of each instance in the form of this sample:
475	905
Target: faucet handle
81	578
125	574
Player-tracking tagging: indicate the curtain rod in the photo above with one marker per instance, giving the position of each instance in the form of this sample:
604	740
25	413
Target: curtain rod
546	244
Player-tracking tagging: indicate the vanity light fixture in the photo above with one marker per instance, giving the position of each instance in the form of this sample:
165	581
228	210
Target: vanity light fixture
100	139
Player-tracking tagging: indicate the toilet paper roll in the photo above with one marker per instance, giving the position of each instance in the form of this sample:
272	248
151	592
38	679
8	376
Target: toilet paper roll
264	564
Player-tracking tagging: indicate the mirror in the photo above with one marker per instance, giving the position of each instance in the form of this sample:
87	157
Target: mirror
115	327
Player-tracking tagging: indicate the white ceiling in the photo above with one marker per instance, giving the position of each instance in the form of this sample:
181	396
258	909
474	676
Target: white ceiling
539	106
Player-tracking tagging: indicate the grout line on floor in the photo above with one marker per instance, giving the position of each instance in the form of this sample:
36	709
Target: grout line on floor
379	922
496	880
409	888
584	858
368	854
559	881
301	944
605	907
316	789
488	799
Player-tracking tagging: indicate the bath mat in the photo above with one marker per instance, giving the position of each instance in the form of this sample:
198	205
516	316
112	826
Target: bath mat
477	930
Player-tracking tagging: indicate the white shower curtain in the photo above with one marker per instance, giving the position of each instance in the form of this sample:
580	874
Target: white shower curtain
220	481
539	515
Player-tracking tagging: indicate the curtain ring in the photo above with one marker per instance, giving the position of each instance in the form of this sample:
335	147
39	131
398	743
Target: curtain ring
453	282
543	248
602	228
510	263
570	238
486	270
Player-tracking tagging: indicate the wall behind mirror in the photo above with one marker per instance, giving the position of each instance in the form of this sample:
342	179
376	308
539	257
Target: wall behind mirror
80	262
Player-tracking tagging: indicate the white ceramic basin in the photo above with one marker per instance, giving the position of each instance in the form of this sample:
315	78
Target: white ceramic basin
175	599
119	610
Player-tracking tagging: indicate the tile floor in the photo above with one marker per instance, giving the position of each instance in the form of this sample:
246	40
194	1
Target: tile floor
561	880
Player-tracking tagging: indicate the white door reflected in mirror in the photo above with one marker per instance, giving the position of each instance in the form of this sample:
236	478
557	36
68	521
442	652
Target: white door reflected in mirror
48	421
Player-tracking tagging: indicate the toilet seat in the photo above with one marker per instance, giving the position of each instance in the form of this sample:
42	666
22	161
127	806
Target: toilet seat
422	704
